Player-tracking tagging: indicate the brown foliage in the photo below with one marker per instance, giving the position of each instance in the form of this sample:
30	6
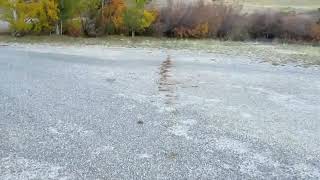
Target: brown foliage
112	15
200	31
73	28
296	27
273	24
226	21
265	24
315	31
193	20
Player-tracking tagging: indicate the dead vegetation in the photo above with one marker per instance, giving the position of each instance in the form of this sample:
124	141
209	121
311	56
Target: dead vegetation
227	21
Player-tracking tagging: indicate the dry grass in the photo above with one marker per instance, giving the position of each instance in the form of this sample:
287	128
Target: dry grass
275	53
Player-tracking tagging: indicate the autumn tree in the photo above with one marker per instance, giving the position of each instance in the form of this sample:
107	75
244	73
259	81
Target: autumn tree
47	15
136	18
112	16
68	9
88	11
35	16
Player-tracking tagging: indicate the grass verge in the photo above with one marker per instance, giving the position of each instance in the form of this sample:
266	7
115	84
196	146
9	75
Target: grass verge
275	53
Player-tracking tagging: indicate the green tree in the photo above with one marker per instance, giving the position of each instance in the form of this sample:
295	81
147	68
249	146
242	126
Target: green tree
47	15
34	16
68	10
79	10
89	11
136	18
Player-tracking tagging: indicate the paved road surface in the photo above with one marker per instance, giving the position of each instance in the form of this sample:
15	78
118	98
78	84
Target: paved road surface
117	113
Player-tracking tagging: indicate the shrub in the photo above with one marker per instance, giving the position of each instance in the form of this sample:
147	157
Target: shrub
265	25
224	19
68	10
137	19
200	31
30	17
112	16
239	29
178	19
273	24
88	15
193	20
47	15
315	31
296	27
234	25
73	28
227	21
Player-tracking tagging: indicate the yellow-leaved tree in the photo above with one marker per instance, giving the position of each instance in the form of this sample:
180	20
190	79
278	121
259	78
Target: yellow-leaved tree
112	16
34	16
48	14
137	19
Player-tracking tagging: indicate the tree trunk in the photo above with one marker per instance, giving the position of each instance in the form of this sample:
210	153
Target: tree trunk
61	30
57	29
132	34
15	16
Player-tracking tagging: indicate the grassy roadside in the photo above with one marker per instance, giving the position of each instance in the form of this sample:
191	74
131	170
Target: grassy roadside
275	53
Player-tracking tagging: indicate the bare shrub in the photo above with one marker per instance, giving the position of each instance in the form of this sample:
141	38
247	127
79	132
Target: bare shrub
179	19
201	30
171	17
73	28
227	21
234	27
265	24
275	24
315	31
296	27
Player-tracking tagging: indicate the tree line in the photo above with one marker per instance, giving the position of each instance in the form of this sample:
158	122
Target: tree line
76	17
178	19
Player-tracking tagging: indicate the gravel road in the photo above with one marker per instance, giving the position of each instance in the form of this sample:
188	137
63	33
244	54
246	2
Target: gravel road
89	112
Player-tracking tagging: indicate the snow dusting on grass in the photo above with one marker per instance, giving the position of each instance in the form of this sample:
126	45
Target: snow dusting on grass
274	53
